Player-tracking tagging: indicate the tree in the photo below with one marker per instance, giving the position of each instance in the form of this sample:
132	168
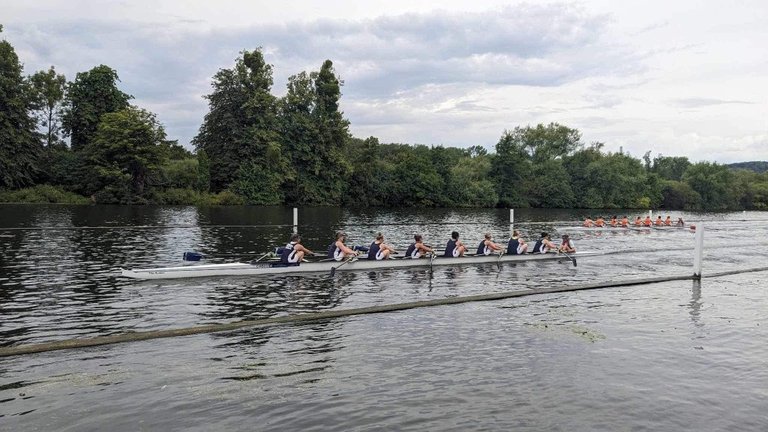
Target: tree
299	132
128	146
333	132
241	129
670	168
549	185
48	89
509	169
20	149
713	183
90	96
547	142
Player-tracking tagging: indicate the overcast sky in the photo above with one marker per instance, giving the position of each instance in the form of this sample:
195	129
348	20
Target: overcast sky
678	78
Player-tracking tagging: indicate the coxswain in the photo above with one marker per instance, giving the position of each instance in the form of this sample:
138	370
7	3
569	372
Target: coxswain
294	251
680	222
668	221
338	250
624	222
600	222
455	248
516	245
380	250
417	249
544	244
487	246
659	221
638	221
648	222
588	222
567	245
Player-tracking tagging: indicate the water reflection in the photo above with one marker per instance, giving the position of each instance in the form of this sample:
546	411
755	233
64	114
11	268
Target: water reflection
695	304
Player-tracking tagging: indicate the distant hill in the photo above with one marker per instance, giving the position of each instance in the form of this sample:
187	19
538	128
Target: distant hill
756	166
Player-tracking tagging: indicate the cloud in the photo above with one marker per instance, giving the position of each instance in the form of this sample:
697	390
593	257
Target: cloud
704	102
398	69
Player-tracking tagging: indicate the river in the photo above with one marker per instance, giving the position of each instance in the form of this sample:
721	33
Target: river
678	355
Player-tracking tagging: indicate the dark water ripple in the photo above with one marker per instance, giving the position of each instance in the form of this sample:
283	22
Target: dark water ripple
670	356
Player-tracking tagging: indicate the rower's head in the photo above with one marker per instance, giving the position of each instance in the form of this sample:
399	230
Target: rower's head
488	236
417	237
566	237
295	238
340	235
544	235
455	235
379	236
515	233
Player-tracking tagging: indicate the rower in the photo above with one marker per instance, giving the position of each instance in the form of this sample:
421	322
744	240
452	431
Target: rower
600	222
567	245
294	251
487	246
614	221
544	244
417	249
380	250
454	248
338	250
588	222
659	221
668	221
648	222
624	222
516	245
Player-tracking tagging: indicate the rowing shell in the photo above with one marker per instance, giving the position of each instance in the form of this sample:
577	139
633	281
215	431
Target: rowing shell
272	268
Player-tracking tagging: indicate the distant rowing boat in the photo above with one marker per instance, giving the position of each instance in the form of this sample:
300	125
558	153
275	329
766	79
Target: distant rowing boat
273	268
620	228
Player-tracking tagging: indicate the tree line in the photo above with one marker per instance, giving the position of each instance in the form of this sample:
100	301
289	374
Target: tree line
82	141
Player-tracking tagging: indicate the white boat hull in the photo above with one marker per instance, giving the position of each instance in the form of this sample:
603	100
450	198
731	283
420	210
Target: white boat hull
272	268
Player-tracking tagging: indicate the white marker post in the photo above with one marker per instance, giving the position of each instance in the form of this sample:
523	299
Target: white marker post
698	251
295	220
511	221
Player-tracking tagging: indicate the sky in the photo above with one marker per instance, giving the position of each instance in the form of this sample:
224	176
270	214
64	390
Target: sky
676	78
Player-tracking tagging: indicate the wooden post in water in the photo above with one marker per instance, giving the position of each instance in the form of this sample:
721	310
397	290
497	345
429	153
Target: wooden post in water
295	220
698	251
511	221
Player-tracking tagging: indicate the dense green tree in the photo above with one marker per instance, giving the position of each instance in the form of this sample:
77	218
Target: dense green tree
300	134
364	187
48	89
670	168
548	142
241	129
333	133
417	182
677	195
713	183
510	169
127	148
471	184
578	167
89	97
20	148
549	185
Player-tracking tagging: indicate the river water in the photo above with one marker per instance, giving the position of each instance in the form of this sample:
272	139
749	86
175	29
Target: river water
676	355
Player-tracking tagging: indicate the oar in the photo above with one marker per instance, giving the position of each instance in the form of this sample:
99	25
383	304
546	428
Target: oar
350	259
197	256
570	258
261	257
